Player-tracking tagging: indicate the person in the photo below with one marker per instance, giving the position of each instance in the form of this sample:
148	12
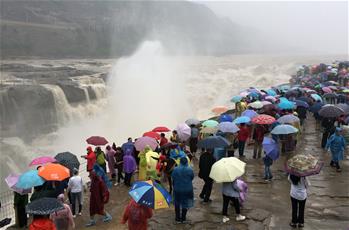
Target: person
91	158
42	222
152	160
129	145
98	197
63	219
302	114
142	173
328	129
231	192
163	140
298	195
240	107
193	141
75	187
130	166
232	138
336	143
119	160
110	154
100	158
205	164
243	135
267	161
258	136
174	138
19	203
136	216
182	177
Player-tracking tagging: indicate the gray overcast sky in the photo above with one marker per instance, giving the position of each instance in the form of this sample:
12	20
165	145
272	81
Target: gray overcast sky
312	26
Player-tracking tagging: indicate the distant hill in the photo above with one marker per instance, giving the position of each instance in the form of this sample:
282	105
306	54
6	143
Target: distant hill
60	28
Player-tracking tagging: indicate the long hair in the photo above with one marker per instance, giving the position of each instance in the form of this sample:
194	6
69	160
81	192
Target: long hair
294	179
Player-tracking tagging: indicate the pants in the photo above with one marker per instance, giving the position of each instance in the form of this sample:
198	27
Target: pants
235	201
120	176
180	216
76	196
230	153
128	179
298	210
21	216
193	144
325	136
206	190
335	163
267	172
241	147
169	178
257	148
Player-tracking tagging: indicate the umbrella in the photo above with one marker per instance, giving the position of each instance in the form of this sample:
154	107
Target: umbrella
96	140
228	127
326	90
271	92
305	99
42	160
69	160
54	172
289	119
249	113
152	134
263	119
220	109
184	131
266	103
29	179
161	129
303	165
209	130
244	93
150	194
213	142
329	95
225	117
285	104
142	142
271	148
316	97
270	98
210	123
11	181
192	121
256	105
236	99
316	107
227	169
344	107
242	119
44	206
330	111
300	103
284	129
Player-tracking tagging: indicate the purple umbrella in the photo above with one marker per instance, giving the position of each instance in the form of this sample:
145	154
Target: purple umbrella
249	113
184	131
271	148
42	160
142	142
11	181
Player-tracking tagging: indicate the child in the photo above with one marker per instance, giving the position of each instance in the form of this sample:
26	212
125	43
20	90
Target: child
267	163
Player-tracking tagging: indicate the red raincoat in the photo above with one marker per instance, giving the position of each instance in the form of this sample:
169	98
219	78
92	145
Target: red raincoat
136	216
42	224
244	133
91	159
99	195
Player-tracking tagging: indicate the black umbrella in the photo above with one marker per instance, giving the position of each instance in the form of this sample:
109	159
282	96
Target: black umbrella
316	107
69	160
305	99
213	142
44	206
329	95
330	111
344	107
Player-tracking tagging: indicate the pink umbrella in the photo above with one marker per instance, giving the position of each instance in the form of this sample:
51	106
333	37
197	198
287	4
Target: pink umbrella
11	181
42	160
244	94
326	90
184	131
142	142
270	98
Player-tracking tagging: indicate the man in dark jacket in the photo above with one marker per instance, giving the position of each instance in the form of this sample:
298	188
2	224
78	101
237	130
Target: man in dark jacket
205	165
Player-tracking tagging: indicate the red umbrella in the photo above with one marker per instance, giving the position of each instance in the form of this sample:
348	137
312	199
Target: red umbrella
161	129
152	135
96	140
263	119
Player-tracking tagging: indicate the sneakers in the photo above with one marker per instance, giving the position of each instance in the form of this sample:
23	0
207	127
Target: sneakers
116	184
300	225
74	216
293	225
107	218
79	214
91	223
240	217
225	219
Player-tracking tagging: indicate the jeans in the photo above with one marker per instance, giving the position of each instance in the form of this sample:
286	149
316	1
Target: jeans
257	148
267	172
180	216
128	179
241	147
226	200
206	190
298	211
76	196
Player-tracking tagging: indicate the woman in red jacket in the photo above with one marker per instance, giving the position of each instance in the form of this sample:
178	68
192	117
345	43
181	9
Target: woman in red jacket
91	158
243	135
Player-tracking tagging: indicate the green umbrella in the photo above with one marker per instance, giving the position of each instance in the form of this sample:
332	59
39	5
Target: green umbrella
210	123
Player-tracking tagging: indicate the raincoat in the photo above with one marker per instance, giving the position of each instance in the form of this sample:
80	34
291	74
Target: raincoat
42	224
176	154
136	216
336	143
91	158
63	219
151	164
142	173
128	145
239	108
130	164
183	176
111	160
99	195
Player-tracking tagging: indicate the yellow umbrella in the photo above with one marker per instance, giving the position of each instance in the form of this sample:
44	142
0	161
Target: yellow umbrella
227	169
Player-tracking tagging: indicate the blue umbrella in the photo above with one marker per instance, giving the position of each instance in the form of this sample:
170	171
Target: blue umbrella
316	97
228	127
249	113
271	92
316	107
225	117
271	148
236	99
301	103
284	129
213	142
242	119
286	104
29	179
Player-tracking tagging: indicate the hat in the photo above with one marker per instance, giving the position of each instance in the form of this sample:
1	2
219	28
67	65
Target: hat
338	129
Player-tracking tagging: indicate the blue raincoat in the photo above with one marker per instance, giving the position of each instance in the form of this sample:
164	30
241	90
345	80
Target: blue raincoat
336	143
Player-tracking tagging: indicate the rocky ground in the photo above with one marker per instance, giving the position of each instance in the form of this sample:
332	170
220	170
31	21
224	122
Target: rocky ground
268	205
